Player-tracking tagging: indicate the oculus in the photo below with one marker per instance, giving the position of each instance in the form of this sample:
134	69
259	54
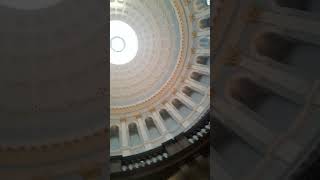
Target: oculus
123	43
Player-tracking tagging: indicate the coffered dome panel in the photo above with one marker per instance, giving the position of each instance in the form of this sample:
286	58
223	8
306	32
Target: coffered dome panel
157	29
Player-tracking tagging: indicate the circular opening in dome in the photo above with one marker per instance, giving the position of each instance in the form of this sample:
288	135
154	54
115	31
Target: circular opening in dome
30	4
123	43
117	44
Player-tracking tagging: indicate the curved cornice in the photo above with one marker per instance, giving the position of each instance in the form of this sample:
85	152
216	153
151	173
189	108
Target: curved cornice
181	149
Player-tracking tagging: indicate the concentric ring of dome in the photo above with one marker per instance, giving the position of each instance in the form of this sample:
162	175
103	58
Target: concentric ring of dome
157	56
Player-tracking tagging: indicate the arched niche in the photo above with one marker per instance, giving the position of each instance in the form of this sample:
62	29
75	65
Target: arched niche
201	78
203	60
204	23
278	112
274	46
297	54
168	120
182	108
193	94
153	131
134	137
114	137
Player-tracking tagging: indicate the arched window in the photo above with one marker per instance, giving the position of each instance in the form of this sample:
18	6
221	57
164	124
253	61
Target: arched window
203	60
134	137
277	112
201	78
153	131
194	95
182	108
169	122
204	23
274	46
295	53
114	137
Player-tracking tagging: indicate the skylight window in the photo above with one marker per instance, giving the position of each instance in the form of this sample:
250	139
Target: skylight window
123	43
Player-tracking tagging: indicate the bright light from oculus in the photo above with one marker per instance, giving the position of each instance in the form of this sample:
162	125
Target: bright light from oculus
123	43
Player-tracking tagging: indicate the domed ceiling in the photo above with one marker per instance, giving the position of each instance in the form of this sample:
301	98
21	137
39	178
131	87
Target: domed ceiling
159	67
157	29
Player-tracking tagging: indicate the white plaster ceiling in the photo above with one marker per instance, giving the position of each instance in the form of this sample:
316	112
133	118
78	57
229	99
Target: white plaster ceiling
157	29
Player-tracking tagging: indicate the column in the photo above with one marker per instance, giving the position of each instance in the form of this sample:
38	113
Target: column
159	122
201	69
124	136
203	33
202	13
244	124
196	86
161	125
186	100
143	130
174	113
202	51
